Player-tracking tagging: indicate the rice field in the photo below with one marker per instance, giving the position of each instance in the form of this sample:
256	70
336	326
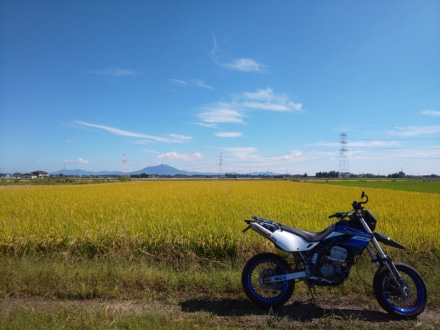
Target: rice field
169	219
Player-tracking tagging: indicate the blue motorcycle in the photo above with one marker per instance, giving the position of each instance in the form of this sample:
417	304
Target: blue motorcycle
325	258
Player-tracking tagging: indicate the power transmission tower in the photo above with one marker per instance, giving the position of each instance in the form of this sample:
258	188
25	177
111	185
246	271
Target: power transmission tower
124	163
343	155
220	165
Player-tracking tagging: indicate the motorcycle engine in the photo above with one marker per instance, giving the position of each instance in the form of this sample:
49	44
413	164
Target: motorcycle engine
333	267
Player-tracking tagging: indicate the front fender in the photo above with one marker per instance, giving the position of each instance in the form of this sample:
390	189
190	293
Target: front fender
388	241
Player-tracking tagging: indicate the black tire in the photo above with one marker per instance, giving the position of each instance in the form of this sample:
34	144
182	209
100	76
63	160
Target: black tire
252	278
389	296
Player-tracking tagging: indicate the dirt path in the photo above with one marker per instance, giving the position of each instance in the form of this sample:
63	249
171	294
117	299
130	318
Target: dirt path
240	313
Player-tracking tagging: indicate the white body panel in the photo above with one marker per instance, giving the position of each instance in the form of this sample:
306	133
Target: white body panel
290	242
287	241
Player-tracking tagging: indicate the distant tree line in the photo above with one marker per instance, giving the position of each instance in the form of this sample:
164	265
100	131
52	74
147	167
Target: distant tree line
331	174
400	174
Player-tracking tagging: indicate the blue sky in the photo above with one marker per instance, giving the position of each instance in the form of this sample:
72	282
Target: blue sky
261	85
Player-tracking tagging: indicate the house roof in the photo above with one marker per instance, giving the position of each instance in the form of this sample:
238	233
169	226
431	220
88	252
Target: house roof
39	173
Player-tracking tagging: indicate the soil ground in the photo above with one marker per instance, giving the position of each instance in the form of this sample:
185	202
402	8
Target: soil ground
338	313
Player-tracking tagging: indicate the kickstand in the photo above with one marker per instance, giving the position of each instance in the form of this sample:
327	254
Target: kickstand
312	292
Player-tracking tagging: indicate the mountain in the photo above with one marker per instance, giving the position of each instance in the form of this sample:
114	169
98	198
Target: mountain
161	169
78	172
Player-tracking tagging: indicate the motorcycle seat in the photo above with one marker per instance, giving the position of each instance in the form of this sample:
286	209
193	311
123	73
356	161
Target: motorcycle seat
310	236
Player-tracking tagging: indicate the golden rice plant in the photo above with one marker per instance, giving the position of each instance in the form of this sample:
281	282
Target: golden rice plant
171	219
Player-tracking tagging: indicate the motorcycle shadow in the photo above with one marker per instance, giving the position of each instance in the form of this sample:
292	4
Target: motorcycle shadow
297	311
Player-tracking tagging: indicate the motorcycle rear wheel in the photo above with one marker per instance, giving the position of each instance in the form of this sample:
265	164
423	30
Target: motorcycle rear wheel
388	294
263	294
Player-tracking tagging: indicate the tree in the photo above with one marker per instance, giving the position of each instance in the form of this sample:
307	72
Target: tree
331	174
398	175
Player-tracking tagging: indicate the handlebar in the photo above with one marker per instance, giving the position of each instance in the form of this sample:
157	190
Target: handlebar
338	215
356	207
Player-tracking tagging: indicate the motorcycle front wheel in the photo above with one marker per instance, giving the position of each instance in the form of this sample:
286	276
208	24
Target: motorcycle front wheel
404	301
256	270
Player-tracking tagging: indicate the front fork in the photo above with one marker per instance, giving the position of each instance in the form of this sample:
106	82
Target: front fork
381	259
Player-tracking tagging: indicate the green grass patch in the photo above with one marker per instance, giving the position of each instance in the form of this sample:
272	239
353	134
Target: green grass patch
113	278
74	315
428	186
53	292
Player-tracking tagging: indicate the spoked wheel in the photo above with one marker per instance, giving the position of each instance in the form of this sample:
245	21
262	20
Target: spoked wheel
258	289
406	300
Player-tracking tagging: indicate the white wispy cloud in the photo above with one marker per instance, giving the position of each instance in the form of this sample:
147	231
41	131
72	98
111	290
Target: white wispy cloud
292	156
79	160
179	137
208	125
114	72
243	65
221	114
228	134
201	83
170	138
242	152
266	99
234	110
251	154
431	113
192	82
361	144
249	157
113	130
179	156
415	130
179	82
239	64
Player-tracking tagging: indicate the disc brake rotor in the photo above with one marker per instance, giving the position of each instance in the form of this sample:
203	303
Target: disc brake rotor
395	292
